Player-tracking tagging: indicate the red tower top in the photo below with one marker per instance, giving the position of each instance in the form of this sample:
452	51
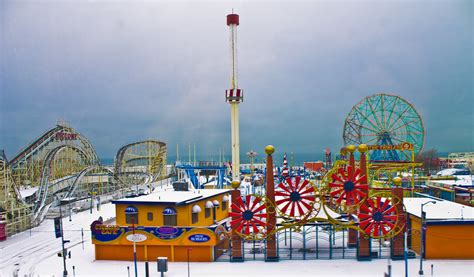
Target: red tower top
232	19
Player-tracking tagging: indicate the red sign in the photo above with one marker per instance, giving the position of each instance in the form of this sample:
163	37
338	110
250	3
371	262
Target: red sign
65	136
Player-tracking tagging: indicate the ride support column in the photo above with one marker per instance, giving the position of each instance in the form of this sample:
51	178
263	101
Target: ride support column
272	255
364	245
352	240
397	245
236	239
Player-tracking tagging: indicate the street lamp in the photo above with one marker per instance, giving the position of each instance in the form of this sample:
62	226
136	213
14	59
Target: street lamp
422	246
70	210
132	211
62	236
189	270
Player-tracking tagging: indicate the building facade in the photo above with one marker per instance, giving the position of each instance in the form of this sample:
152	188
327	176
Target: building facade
171	224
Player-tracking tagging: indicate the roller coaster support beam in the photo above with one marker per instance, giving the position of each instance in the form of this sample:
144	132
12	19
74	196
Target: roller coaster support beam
352	240
236	239
364	245
272	254
397	245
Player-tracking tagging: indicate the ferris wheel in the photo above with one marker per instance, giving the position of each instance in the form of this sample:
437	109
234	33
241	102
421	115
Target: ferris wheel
384	119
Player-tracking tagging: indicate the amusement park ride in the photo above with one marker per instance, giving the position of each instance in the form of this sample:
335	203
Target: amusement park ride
362	192
344	199
62	163
365	197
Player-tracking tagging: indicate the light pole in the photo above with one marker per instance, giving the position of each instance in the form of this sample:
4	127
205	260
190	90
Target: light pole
70	210
132	211
422	246
91	201
405	252
62	237
189	269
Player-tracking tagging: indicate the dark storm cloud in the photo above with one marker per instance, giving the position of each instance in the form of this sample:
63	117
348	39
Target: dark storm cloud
120	72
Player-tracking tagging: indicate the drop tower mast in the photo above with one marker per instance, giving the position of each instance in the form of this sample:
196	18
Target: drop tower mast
234	96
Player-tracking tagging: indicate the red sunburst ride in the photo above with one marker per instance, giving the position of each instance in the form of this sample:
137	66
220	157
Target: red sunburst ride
377	217
251	215
295	198
349	185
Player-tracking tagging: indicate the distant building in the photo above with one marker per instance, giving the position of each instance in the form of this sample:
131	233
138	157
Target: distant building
314	166
259	166
461	159
449	228
166	224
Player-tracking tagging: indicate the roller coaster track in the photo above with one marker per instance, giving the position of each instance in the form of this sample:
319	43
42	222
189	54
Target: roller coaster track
58	133
87	170
34	165
46	173
157	163
9	191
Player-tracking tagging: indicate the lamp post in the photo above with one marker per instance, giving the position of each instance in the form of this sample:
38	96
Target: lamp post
70	210
62	237
132	211
189	270
422	246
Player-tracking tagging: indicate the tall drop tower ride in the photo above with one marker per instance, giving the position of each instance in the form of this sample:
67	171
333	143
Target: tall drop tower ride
234	96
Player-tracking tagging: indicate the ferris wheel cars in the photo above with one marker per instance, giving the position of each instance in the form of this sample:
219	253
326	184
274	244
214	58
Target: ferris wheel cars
385	120
348	187
295	198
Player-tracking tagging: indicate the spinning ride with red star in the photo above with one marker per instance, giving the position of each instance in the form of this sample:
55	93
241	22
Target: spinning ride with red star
377	217
251	216
295	198
348	185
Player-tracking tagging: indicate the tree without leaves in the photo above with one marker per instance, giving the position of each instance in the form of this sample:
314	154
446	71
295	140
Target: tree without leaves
430	160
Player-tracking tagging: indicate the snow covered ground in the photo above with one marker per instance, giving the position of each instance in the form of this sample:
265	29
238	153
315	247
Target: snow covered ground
35	254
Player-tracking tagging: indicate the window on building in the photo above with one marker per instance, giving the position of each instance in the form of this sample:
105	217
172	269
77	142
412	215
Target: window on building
195	218
169	217
131	215
195	213
150	216
214	209
207	211
131	219
225	201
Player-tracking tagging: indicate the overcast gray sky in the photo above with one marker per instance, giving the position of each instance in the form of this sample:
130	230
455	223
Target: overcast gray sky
127	71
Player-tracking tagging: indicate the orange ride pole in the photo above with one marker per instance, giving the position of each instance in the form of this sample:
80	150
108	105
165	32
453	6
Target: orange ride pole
397	245
352	240
236	239
272	254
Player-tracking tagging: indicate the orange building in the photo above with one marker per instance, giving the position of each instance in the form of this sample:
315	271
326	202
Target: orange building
313	166
448	232
166	224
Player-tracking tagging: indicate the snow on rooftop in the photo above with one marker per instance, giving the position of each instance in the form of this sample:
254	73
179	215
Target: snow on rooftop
171	196
442	210
452	172
461	180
